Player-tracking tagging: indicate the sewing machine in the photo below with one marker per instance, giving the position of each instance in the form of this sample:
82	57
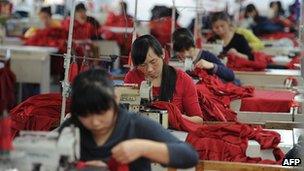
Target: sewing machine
215	48
138	99
46	151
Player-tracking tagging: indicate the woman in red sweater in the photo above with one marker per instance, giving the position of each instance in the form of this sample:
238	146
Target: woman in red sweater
169	84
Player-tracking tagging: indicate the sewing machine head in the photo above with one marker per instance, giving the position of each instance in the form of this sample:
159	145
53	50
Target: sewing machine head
138	100
135	98
49	150
215	48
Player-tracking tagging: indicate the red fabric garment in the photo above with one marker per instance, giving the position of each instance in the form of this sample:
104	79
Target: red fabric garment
84	66
161	29
185	96
40	112
261	60
5	134
124	40
73	72
295	60
116	166
268	101
52	37
229	141
215	96
80	31
7	87
175	117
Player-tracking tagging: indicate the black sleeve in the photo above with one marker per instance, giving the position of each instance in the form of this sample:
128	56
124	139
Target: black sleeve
181	154
242	46
219	69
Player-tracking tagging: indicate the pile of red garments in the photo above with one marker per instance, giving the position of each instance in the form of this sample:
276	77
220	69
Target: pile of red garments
52	37
7	87
124	40
39	113
225	141
261	60
295	60
269	101
161	29
215	96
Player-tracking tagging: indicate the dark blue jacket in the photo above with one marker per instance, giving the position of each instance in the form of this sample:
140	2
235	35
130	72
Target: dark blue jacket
219	69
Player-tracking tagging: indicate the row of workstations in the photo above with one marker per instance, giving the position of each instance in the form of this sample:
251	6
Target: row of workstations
289	124
32	65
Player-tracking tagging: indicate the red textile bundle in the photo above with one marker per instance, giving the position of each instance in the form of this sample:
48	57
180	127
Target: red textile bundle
7	87
268	101
73	72
261	60
161	29
215	96
295	60
115	166
5	134
225	141
53	37
40	112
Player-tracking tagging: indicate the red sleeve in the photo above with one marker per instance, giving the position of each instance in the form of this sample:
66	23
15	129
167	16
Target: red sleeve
190	99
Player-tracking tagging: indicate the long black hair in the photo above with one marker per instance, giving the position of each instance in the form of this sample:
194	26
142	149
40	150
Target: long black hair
139	52
46	10
182	40
92	93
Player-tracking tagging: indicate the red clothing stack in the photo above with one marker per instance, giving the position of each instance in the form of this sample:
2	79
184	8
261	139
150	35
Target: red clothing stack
269	101
225	141
40	112
52	37
261	60
215	96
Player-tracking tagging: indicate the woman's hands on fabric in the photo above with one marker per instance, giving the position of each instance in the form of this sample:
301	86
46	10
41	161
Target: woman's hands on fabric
203	64
128	151
96	163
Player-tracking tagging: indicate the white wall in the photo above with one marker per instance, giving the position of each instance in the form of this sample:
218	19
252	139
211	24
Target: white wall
145	6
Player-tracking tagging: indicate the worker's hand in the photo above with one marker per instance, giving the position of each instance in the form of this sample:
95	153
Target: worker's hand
232	51
96	163
203	64
128	151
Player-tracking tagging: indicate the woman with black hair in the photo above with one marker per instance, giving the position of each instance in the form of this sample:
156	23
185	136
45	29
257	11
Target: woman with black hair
107	131
184	46
169	84
276	9
85	27
234	43
260	24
